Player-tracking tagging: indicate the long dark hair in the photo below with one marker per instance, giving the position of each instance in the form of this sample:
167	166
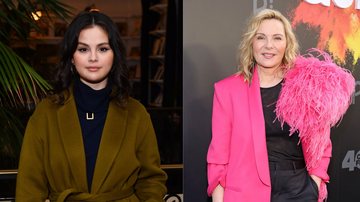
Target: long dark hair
118	75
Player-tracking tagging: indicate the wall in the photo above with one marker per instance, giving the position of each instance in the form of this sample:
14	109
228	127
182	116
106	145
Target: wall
113	8
211	34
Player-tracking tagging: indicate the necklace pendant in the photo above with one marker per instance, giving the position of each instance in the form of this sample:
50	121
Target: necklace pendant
90	116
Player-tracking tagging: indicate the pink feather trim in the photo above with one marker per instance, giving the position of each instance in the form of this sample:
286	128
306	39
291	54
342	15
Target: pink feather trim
314	97
322	192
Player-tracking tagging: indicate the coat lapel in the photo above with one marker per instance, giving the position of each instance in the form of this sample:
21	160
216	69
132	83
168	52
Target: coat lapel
111	141
70	132
258	130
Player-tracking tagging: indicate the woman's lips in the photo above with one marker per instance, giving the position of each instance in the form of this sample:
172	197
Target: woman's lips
92	69
268	55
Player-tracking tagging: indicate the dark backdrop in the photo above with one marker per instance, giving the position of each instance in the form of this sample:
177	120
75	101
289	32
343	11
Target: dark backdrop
212	31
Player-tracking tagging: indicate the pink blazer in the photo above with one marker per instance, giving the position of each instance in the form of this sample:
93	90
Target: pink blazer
237	156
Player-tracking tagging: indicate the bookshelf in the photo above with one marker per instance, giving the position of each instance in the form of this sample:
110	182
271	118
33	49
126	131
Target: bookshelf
156	69
161	70
129	29
41	50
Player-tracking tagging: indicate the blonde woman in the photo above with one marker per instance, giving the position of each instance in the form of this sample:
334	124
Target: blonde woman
255	153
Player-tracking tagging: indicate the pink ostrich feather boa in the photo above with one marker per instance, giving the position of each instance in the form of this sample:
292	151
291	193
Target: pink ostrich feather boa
314	97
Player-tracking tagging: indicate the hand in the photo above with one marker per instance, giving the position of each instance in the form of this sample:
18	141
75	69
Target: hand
317	180
218	194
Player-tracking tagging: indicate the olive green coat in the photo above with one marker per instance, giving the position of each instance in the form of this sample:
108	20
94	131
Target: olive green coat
52	161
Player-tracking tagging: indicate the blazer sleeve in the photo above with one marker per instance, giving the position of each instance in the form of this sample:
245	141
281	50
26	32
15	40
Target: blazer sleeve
321	169
31	182
219	149
150	186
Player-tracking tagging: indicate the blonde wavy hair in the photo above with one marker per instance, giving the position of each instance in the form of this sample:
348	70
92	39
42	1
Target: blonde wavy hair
245	56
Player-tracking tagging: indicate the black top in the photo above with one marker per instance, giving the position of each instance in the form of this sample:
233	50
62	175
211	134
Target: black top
90	104
280	145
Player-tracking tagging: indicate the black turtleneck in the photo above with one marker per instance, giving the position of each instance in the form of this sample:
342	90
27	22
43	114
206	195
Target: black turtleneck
95	103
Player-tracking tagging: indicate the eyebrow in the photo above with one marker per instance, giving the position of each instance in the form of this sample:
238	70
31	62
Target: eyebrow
265	34
100	44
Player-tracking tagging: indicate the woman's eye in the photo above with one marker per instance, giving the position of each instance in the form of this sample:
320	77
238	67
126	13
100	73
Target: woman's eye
260	37
104	49
82	49
278	38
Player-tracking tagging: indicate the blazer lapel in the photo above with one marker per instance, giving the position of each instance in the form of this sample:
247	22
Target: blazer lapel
258	130
111	141
71	136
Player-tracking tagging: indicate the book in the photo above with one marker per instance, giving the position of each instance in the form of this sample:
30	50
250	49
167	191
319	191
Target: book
159	75
158	46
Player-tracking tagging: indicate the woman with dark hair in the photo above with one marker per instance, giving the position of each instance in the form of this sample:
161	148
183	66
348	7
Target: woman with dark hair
118	75
90	141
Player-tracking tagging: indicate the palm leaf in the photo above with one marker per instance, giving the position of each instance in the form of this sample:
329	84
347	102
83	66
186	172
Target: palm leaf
20	85
18	79
20	14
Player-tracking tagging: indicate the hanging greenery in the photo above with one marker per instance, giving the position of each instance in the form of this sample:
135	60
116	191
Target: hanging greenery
20	85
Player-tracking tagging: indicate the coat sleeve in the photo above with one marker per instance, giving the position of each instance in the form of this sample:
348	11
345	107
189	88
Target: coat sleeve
31	185
321	170
219	149
150	186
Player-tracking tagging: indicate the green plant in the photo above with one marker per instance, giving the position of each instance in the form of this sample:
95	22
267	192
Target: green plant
20	86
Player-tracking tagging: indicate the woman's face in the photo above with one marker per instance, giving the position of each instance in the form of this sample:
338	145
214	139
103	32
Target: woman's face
93	57
269	44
